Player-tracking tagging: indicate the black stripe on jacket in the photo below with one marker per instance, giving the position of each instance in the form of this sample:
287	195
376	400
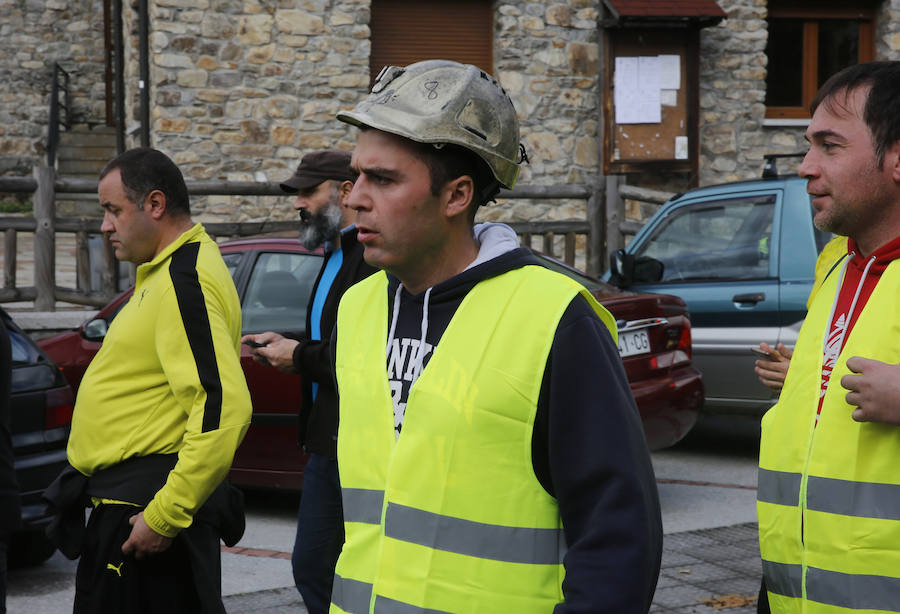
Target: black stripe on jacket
192	305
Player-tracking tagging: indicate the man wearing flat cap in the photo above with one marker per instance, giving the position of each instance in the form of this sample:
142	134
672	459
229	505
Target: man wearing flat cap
321	183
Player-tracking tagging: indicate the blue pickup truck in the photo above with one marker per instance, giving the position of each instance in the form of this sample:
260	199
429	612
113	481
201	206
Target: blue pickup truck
742	256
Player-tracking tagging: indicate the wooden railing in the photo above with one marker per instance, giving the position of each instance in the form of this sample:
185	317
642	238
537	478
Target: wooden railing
617	227
45	224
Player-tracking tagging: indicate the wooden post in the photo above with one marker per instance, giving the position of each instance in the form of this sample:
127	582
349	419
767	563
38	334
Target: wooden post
547	247
82	262
595	246
9	258
596	243
570	249
110	277
615	215
45	239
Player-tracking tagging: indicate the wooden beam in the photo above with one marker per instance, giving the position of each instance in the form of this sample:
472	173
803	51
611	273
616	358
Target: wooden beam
44	239
9	258
82	261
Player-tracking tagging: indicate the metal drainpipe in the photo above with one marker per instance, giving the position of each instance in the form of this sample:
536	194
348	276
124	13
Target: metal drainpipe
119	59
144	36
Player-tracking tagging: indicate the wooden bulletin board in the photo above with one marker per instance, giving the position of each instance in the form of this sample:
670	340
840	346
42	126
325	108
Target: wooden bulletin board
671	144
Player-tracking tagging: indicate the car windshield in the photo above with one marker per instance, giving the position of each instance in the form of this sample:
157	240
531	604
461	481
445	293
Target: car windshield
725	239
23	351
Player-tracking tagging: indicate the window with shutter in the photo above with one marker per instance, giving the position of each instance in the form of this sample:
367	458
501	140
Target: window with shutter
407	31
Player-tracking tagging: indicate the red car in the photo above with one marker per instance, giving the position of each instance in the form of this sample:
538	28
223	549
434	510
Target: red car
274	278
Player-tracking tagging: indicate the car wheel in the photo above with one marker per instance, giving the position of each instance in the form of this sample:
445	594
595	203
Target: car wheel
29	548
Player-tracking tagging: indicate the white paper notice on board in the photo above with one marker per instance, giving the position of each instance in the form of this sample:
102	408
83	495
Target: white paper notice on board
637	93
670	72
625	86
681	148
668	98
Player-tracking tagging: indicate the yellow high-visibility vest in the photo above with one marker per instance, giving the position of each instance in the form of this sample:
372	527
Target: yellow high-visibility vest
829	495
450	517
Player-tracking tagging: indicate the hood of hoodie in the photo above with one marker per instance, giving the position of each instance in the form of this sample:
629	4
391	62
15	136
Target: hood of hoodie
880	258
498	252
860	275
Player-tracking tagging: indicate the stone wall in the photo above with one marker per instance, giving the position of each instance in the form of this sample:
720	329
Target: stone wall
241	90
34	34
547	59
887	32
732	92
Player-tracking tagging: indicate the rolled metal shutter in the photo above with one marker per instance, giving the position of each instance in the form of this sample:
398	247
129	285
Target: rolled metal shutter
407	31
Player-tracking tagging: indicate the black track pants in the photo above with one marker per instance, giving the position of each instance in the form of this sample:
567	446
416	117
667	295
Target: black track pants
107	581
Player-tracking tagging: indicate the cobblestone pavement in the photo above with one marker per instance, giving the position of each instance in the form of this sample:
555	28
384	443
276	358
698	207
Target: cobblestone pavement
703	572
709	570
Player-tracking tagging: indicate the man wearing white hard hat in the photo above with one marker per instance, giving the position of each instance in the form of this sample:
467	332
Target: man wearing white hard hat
490	453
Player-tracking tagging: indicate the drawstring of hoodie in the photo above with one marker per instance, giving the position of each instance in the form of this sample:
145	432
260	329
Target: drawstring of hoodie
420	353
390	339
833	348
849	318
420	357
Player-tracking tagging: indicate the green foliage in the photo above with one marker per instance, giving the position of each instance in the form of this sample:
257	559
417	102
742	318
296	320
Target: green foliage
14	206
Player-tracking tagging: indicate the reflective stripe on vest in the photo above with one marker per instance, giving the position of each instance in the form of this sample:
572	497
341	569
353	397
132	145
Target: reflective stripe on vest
355	597
486	541
829	494
362	505
862	499
783	579
351	595
853	591
778	487
450	517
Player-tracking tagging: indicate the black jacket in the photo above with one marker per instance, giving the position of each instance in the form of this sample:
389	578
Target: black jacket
312	359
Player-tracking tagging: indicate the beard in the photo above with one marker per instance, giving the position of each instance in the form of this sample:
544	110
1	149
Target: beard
321	226
869	206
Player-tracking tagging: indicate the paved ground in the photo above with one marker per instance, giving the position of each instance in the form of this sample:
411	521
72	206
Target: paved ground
703	571
708	570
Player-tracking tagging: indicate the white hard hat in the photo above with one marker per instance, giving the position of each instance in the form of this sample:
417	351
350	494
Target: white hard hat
443	102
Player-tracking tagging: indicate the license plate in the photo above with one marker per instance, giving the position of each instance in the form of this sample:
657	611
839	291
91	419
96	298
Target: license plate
633	343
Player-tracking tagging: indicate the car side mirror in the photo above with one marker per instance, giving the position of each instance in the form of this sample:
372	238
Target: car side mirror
96	329
647	270
627	270
621	268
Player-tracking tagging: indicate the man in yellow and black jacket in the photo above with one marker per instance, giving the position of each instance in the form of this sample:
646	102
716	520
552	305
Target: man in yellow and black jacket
160	411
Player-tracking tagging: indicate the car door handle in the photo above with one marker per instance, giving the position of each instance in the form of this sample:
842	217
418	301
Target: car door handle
753	297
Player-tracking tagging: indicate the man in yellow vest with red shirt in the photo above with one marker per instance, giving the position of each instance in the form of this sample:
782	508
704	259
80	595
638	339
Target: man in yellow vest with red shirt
829	518
490	453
